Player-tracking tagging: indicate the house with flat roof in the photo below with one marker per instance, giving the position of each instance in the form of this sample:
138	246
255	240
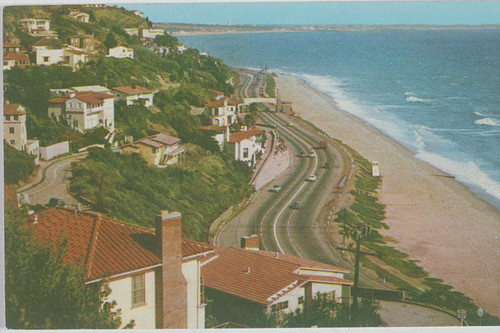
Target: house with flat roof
132	31
13	48
14	130
84	110
154	274
152	32
239	278
137	13
134	95
121	52
160	150
37	27
66	57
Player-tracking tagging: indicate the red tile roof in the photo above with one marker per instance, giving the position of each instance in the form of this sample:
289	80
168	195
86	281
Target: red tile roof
240	136
13	109
132	90
16	56
11	45
149	142
262	276
215	92
213	128
75	51
158	140
249	275
104	246
85	96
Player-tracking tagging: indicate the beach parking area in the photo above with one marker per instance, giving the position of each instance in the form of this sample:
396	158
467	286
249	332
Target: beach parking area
432	217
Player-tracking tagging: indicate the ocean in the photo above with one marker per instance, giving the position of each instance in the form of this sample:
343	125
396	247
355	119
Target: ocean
437	92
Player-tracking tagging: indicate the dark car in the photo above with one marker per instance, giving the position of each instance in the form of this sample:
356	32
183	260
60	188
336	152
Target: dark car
57	202
296	205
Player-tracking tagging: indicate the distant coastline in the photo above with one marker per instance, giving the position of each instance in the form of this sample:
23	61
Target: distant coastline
184	29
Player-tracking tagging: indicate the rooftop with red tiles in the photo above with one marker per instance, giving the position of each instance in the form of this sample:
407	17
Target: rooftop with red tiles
132	90
240	136
104	246
13	109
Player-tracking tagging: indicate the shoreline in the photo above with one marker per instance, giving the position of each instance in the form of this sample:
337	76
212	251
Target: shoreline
453	233
339	28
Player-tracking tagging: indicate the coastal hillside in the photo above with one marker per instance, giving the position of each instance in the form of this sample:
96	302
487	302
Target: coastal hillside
180	79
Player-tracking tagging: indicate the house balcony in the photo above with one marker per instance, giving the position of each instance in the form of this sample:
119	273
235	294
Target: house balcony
171	157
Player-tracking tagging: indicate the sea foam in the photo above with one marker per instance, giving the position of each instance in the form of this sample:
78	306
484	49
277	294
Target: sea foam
488	121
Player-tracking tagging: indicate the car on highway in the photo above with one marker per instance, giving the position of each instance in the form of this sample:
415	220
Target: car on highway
303	154
290	124
57	202
276	188
310	154
311	178
296	205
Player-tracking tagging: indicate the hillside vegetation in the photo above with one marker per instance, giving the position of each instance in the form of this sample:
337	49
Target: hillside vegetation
201	189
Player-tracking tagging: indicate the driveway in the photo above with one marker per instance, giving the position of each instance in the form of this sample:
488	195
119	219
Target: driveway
397	314
53	181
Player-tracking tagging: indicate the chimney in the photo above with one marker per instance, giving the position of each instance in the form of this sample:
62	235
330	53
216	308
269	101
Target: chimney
171	286
250	242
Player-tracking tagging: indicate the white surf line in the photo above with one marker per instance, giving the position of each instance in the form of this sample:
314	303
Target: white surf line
52	182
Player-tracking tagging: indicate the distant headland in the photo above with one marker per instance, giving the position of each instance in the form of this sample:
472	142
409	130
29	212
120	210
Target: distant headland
192	29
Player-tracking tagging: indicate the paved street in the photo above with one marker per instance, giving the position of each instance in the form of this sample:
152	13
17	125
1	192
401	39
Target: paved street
55	179
397	314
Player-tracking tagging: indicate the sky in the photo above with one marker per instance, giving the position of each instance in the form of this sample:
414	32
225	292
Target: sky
365	12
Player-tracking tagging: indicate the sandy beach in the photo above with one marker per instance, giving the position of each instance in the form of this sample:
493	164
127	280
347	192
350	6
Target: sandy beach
436	220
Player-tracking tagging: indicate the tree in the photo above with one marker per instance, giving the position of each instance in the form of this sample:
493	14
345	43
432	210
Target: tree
18	165
323	312
166	40
110	40
43	293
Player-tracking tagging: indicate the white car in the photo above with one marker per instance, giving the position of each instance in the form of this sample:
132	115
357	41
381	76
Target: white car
311	178
276	188
310	154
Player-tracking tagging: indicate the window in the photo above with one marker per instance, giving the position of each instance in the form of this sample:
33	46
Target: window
153	150
45	59
245	152
11	130
7	118
12	142
280	306
16	118
138	290
301	300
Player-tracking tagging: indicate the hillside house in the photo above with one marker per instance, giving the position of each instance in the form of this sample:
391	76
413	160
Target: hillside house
153	274
37	27
86	43
137	13
14	130
181	48
11	60
79	16
13	48
246	146
275	282
216	94
121	52
42	44
223	111
160	150
84	110
151	32
66	57
220	134
134	95
132	31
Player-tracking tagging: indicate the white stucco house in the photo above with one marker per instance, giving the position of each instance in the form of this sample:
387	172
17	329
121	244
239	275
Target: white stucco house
65	56
11	60
121	52
132	31
36	27
84	110
152	32
133	94
79	16
14	130
273	280
219	133
137	13
154	275
223	111
246	146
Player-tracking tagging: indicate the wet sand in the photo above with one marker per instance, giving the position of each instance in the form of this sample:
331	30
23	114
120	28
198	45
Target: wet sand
435	219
